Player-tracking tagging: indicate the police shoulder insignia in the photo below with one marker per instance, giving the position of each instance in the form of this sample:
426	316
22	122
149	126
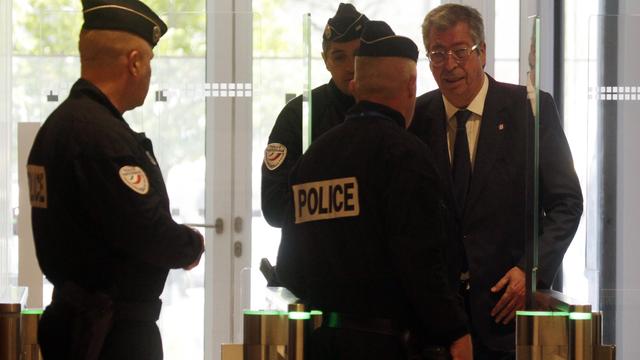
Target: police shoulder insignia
274	155
37	186
135	178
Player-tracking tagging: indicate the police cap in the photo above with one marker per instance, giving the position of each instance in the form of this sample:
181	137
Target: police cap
132	16
345	25
378	40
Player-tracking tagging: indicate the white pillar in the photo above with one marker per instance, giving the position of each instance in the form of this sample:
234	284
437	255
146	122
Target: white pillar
6	126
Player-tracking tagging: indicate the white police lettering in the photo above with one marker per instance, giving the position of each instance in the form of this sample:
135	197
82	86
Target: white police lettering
37	186
329	199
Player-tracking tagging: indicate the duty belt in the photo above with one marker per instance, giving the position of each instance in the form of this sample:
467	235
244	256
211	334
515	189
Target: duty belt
72	294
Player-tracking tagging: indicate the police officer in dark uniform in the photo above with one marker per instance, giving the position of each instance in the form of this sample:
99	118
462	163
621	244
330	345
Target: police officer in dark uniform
364	239
103	231
329	105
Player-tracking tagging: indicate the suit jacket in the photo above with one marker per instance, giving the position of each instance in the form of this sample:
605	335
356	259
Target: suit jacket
496	222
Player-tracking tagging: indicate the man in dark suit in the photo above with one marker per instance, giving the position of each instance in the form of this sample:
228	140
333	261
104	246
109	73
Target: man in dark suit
480	131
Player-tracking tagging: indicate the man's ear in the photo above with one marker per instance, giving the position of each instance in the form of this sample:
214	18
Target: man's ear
411	86
352	88
134	61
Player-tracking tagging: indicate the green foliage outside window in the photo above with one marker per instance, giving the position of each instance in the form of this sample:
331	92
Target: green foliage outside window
50	27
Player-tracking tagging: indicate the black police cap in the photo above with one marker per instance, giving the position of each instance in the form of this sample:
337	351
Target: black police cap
378	40
132	16
345	25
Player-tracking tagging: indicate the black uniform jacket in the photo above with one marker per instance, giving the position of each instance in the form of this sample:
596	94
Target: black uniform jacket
494	226
100	209
329	106
370	232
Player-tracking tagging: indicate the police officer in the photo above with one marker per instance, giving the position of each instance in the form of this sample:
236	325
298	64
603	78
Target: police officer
103	231
363	241
330	102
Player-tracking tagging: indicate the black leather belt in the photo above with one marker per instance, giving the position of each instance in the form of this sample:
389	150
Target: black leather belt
381	326
80	299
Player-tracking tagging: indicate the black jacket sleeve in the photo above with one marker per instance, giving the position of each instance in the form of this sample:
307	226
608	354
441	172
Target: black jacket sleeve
275	193
561	196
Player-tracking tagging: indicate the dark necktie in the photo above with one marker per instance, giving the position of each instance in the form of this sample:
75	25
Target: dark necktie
461	166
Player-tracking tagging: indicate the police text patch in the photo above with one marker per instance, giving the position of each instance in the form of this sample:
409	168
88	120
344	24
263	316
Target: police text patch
274	155
135	178
329	199
37	186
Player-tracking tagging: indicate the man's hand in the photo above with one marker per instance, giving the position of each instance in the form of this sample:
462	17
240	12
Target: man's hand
513	298
197	260
462	348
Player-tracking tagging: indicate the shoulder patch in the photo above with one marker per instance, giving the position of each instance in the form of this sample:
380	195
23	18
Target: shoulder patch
37	186
274	155
135	178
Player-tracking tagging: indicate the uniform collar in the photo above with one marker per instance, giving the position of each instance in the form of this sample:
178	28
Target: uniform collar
87	88
366	107
343	99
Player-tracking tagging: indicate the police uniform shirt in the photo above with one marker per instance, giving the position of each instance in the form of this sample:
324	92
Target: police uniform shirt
285	144
99	205
366	232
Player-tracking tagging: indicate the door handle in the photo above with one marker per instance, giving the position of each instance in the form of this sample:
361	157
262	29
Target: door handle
218	226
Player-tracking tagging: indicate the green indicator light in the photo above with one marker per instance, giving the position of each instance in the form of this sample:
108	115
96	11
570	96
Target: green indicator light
580	316
299	315
534	313
542	313
264	312
32	312
316	312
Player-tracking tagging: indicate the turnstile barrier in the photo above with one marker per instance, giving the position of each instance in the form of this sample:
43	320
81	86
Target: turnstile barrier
560	330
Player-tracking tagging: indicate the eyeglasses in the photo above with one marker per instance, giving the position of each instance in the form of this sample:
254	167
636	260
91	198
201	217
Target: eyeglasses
460	55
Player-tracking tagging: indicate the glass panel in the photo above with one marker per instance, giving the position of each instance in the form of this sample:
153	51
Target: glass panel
613	194
307	52
532	170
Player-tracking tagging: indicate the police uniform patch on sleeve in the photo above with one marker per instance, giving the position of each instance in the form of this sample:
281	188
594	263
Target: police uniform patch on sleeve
37	186
329	199
135	178
274	155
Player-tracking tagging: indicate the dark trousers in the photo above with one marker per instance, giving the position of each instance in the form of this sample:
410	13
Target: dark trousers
345	344
138	340
480	351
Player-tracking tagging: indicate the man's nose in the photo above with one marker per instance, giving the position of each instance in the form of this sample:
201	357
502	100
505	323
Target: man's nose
449	61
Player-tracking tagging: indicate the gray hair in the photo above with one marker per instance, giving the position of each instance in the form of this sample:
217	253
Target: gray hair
446	16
